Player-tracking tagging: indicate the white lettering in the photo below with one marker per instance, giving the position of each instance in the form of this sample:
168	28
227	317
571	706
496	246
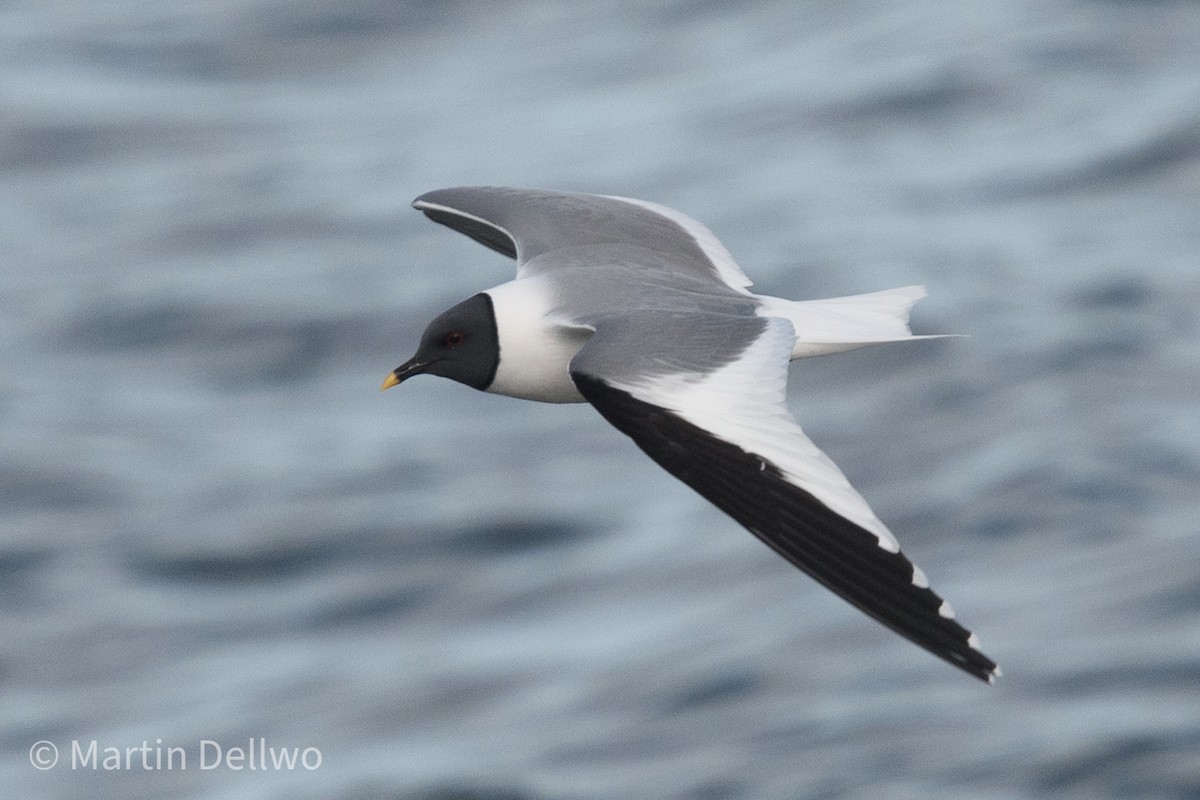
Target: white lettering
81	758
174	751
255	756
235	754
205	746
284	757
304	758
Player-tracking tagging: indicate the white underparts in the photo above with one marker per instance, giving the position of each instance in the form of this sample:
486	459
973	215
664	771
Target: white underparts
535	350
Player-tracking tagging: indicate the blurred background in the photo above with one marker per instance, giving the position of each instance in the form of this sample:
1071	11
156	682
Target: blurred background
214	527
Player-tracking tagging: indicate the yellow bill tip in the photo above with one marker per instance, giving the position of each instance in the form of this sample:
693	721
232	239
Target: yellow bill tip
390	381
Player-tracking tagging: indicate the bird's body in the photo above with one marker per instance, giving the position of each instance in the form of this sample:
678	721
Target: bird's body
640	311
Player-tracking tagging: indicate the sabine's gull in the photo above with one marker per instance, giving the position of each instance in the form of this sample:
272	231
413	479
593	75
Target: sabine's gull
640	311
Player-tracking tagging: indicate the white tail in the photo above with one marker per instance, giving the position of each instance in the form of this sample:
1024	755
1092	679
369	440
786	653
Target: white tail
846	323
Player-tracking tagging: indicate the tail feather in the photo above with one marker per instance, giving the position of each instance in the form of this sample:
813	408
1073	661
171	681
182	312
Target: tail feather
837	324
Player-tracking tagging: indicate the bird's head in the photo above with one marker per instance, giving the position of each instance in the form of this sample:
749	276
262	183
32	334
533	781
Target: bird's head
460	344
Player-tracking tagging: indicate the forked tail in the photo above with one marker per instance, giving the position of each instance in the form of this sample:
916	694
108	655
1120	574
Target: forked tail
837	324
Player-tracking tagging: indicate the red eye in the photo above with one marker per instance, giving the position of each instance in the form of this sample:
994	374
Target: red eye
453	338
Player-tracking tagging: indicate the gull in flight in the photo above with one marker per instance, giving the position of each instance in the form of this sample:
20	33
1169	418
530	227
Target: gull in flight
640	311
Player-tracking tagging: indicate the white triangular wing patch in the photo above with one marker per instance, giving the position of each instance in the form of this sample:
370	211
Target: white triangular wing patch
744	403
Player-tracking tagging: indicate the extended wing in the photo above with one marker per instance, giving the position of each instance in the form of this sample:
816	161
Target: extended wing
727	434
526	223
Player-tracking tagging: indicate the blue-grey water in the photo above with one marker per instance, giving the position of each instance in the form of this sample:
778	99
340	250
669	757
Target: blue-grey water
214	528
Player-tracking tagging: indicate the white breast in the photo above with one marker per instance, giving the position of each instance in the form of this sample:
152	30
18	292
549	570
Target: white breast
535	349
